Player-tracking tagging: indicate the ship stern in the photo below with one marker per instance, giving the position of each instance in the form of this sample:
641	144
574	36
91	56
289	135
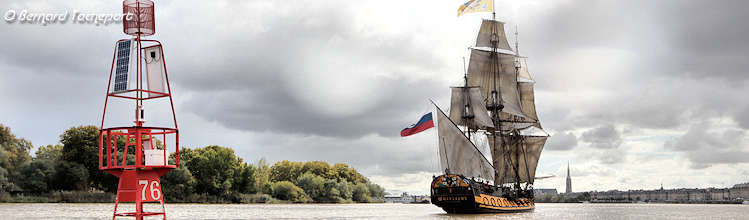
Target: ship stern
453	193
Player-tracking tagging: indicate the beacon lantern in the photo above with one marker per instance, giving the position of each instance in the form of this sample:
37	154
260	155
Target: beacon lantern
138	154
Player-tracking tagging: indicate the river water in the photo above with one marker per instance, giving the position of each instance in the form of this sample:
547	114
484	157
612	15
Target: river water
378	211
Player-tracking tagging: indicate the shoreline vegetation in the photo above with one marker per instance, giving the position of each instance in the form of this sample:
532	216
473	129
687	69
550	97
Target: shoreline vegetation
68	173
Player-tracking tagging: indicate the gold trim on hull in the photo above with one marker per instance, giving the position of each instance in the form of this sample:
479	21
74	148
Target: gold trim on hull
500	203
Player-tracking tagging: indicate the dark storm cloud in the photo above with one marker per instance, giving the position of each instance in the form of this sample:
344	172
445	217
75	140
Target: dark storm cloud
312	72
562	141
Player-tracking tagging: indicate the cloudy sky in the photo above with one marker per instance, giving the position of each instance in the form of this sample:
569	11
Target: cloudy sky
635	93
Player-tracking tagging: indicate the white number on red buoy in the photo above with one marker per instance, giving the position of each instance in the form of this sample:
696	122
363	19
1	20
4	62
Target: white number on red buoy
155	189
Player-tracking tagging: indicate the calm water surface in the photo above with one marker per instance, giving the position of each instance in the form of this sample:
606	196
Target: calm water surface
380	211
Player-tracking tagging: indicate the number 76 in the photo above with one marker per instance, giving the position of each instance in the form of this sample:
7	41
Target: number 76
155	189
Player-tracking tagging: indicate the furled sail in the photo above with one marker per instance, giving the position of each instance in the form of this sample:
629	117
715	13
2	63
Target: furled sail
522	154
481	74
485	34
477	116
457	153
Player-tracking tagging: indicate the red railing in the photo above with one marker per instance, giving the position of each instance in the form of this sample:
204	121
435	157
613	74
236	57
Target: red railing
115	147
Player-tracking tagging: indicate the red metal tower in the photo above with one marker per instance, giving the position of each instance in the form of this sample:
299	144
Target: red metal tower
143	151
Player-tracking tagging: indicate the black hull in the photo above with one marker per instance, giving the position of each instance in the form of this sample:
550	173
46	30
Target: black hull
459	195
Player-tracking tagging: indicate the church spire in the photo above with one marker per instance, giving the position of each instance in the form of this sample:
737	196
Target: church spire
569	180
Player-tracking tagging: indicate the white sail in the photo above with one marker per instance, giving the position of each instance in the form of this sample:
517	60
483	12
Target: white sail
527	100
481	74
525	88
457	153
485	34
478	116
523	74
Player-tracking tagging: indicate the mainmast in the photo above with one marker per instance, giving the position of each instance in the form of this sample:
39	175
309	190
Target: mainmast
496	99
497	78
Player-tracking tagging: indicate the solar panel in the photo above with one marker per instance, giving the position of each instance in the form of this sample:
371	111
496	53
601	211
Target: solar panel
123	65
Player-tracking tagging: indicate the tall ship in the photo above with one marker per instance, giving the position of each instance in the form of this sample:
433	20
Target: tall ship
491	141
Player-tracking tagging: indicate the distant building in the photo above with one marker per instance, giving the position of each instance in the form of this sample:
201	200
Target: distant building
403	198
741	185
406	198
543	192
738	193
569	180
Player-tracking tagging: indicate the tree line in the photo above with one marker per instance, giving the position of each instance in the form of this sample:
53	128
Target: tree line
206	174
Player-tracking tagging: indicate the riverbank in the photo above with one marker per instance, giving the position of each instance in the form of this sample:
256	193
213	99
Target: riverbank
105	197
672	201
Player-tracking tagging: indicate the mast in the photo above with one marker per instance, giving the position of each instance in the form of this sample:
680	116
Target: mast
497	104
506	96
517	48
467	107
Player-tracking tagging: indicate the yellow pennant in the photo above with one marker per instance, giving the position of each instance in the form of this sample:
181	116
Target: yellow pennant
476	6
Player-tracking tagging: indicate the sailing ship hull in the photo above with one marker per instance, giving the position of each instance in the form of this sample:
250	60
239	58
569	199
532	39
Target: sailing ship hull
457	194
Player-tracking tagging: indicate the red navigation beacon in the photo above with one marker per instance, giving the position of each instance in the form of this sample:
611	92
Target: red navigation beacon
138	155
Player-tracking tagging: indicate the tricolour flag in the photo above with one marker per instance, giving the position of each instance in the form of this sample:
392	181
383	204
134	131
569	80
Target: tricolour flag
424	123
476	6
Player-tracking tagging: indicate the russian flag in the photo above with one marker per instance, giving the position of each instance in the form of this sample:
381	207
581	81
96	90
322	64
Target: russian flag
424	123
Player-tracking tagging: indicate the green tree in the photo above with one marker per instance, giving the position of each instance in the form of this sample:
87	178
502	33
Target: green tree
244	178
213	168
319	168
262	177
80	145
286	190
344	172
360	193
313	185
49	152
376	192
5	183
70	176
178	184
185	154
285	171
37	176
332	194
15	155
345	190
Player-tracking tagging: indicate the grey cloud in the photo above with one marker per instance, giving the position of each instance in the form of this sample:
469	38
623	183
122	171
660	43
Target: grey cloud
742	117
675	56
612	156
587	171
562	141
708	38
603	137
705	146
276	110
